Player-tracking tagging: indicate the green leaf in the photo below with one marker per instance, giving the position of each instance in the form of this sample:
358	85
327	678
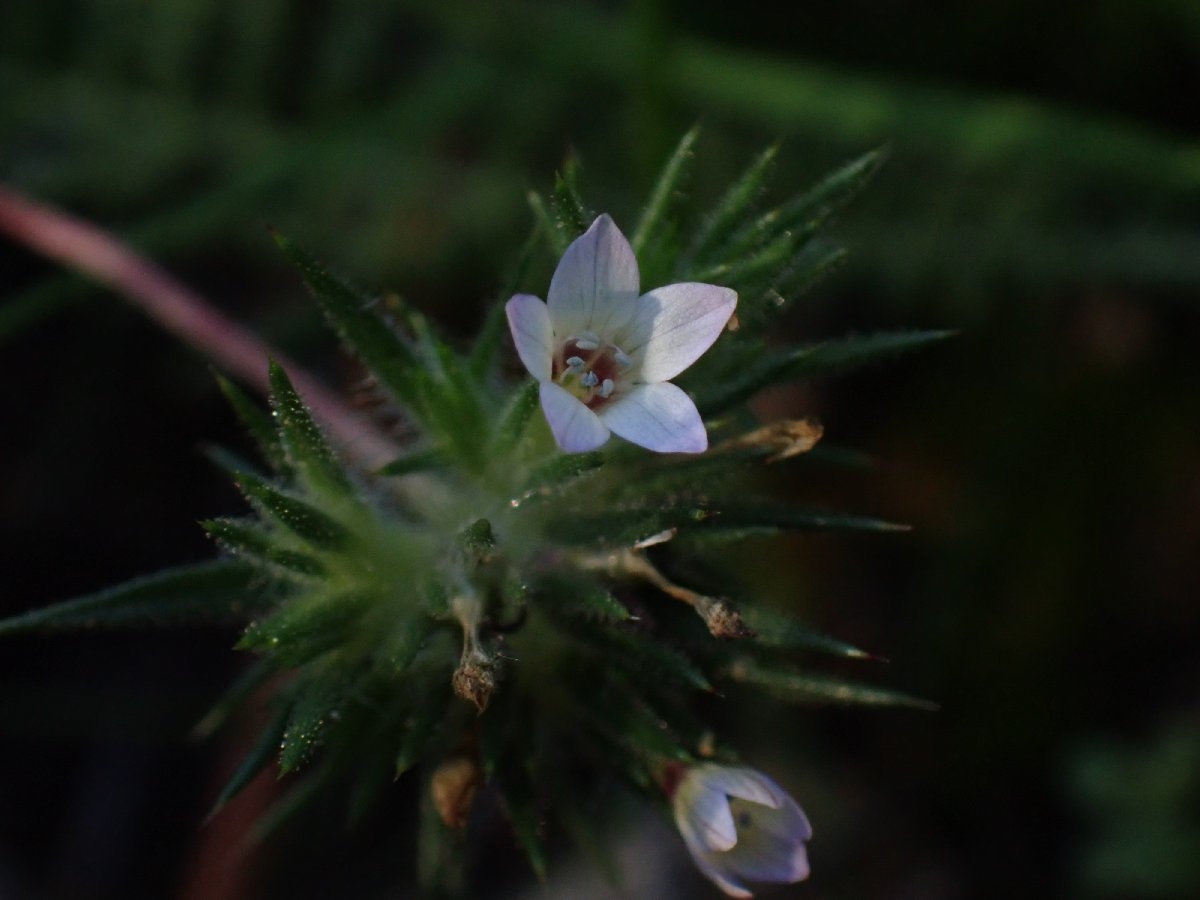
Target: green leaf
359	325
515	419
252	540
416	461
254	677
545	223
254	762
651	228
832	192
298	516
206	592
743	520
571	215
805	362
648	657
305	627
730	212
313	711
796	686
582	597
773	629
419	730
620	527
258	424
518	797
563	468
306	448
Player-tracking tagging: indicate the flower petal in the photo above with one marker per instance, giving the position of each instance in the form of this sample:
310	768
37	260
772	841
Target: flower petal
711	869
576	428
659	417
749	784
704	819
529	322
770	843
674	325
595	286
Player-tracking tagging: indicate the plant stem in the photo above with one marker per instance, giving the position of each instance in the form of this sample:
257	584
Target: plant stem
102	257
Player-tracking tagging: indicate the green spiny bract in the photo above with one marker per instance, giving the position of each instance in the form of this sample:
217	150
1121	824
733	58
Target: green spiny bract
485	596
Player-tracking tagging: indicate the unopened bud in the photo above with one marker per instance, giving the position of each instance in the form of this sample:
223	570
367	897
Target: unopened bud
454	785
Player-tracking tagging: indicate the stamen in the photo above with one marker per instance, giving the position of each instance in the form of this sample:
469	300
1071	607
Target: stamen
589	379
623	359
587	341
606	388
574	362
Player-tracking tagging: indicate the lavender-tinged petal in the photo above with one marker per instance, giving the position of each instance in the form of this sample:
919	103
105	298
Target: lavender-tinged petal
575	427
749	784
704	818
595	287
770	844
659	417
674	325
711	866
532	332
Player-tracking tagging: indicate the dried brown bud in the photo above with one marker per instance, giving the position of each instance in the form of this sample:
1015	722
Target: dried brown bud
722	618
783	439
475	680
454	785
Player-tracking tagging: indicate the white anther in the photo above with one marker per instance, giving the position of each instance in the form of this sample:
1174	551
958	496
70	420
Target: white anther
574	362
606	388
624	360
589	379
587	341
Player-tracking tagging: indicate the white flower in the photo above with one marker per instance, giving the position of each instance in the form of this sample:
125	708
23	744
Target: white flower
739	825
604	354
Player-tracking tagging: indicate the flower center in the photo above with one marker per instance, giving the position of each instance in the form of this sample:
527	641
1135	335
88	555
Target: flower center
591	369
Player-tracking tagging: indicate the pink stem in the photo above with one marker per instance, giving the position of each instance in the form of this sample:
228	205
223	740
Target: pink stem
85	248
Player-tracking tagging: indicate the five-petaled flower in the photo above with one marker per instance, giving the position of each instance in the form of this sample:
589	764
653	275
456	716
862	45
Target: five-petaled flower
739	825
604	354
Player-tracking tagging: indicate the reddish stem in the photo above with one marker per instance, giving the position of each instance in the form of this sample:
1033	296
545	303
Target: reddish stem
99	255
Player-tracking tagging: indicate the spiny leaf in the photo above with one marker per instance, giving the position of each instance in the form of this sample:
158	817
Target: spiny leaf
254	762
252	540
799	687
579	596
833	192
519	799
298	516
545	222
515	419
774	629
649	657
314	701
254	677
360	326
563	468
488	344
621	527
819	359
306	448
258	424
305	627
650	228
744	519
206	592
416	461
571	215
730	211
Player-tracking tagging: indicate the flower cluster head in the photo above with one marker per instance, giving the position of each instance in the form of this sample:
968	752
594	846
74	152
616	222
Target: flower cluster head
739	825
604	353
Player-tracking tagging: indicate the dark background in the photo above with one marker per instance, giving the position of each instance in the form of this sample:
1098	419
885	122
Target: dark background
1041	198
